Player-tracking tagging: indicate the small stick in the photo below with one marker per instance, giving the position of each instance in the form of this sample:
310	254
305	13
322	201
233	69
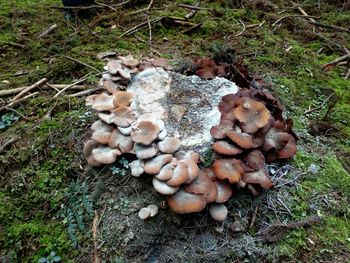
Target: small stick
56	87
80	62
18	96
240	33
192	12
286	16
192	7
84	92
13	110
137	27
48	31
69	86
18	101
347	74
107	6
336	61
8	143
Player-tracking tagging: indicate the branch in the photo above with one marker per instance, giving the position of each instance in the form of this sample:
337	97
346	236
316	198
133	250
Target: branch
330	26
18	96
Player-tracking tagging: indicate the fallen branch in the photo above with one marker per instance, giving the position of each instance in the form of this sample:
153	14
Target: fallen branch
192	7
192	12
337	28
48	31
8	143
13	103
56	87
287	16
21	94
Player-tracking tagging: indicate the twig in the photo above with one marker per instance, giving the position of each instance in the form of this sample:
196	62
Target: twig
240	33
13	44
149	24
80	62
94	237
69	86
48	31
137	27
84	92
254	217
8	143
336	61
337	28
286	16
11	104
86	7
302	11
107	6
347	74
192	12
21	94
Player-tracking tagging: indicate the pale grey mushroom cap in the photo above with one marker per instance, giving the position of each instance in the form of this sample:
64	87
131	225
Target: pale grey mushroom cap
169	145
154	210
218	212
167	170
137	167
163	188
145	152
105	155
144	213
101	131
119	141
154	165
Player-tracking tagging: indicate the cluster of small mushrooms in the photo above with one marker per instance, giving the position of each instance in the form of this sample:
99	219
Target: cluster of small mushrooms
251	132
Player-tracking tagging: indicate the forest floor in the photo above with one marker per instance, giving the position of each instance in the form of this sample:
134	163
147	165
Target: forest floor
49	197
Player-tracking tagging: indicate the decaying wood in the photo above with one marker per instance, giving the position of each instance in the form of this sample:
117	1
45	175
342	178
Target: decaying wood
336	61
21	94
84	92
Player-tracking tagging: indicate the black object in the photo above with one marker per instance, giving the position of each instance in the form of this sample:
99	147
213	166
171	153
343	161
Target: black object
77	2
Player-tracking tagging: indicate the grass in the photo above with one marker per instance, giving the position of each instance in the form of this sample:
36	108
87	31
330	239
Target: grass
38	172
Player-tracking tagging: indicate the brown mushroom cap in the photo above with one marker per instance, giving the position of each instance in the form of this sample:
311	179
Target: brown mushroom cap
167	170
191	158
255	159
252	114
125	131
144	213
101	132
259	177
137	167
145	152
145	132
105	155
183	202
203	185
100	102
122	98
224	191
218	132
114	66
153	166
276	139
218	212
110	86
289	150
223	147
129	61
180	174
230	169
163	188
119	141
243	140
169	145
123	116
87	151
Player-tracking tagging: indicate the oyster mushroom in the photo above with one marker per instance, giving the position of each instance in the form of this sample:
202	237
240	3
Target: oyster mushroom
243	140
145	152
167	170
223	147
123	116
153	166
145	132
105	155
259	177
87	151
219	131
183	202
163	188
252	114
137	167
230	169
144	213
122	98
119	141
100	102
180	174
169	145
255	159
203	185
224	191
101	132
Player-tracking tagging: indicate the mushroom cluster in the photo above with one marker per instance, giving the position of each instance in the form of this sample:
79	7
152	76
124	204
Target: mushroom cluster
251	132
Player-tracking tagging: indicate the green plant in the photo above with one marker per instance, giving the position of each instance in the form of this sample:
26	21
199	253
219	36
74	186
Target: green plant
7	120
78	209
50	259
122	168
